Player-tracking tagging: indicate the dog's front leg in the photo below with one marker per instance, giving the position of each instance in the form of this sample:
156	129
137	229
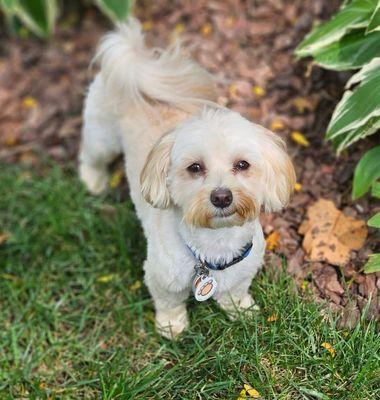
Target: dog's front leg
171	314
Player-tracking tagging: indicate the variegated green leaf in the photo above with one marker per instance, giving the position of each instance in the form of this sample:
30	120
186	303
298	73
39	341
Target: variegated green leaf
374	23
366	172
373	264
374	221
346	139
358	109
367	72
38	15
351	52
353	15
116	10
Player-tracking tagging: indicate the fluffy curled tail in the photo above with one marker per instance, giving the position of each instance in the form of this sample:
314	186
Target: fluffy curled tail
140	75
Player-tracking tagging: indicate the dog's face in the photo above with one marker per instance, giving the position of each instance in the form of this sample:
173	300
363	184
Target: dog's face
219	169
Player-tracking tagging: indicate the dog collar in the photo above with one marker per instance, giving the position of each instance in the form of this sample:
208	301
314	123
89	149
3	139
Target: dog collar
222	266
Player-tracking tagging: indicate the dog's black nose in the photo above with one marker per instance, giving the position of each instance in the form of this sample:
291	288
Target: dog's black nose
221	198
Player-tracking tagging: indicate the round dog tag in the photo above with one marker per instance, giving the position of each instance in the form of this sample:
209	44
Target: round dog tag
204	287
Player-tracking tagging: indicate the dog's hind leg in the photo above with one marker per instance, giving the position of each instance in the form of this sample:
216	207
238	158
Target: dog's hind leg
100	143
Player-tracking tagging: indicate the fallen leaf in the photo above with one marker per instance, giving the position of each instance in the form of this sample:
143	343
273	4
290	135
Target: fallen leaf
277	125
242	395
329	348
116	178
258	91
29	102
248	392
272	318
304	285
330	235
4	237
273	240
135	286
179	28
253	393
106	278
147	26
302	104
233	90
300	139
297	187
206	30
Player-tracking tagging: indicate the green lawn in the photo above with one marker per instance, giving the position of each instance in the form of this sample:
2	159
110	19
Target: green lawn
74	322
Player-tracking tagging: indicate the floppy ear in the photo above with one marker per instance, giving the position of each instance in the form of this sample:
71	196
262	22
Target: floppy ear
154	174
278	177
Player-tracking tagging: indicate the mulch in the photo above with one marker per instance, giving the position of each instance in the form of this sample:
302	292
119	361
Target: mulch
249	47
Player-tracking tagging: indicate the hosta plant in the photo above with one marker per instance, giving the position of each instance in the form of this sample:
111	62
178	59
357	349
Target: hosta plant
40	15
351	40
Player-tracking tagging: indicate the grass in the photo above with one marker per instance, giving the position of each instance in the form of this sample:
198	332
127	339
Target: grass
75	322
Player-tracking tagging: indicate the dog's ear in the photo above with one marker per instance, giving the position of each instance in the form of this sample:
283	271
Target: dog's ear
154	174
278	175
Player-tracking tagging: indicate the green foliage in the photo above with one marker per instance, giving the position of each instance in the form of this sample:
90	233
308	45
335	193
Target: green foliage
351	40
366	172
40	15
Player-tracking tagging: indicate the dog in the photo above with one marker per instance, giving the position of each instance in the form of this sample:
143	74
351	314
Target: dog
199	174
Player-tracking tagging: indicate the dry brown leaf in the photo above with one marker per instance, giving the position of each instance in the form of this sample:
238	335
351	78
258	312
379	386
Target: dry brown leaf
4	237
330	235
273	240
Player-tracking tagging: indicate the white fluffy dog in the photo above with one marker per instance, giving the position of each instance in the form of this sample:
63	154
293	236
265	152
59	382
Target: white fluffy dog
199	174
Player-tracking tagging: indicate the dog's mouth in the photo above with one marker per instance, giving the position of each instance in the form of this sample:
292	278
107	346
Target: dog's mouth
224	214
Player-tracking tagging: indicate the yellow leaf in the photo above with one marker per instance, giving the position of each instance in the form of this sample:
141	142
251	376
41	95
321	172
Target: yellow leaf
302	104
304	285
297	187
206	30
179	28
272	318
329	348
253	393
106	278
147	26
135	286
9	277
273	240
258	91
300	139
11	139
233	90
116	178
277	125
4	237
242	395
29	102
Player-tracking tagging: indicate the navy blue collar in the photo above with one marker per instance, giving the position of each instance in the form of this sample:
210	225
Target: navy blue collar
221	266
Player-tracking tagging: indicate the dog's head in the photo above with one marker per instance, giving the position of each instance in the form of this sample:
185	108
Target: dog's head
219	169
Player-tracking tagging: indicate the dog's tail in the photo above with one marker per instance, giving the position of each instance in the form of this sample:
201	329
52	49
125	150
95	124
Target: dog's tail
142	76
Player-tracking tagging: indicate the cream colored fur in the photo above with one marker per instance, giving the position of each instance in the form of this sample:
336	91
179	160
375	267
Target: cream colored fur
158	109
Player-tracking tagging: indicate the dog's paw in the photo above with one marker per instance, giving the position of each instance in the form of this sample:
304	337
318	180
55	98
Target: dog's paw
171	323
95	179
235	306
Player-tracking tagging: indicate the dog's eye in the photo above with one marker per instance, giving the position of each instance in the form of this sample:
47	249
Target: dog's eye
241	165
195	168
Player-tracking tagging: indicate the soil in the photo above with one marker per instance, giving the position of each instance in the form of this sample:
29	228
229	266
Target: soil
249	48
